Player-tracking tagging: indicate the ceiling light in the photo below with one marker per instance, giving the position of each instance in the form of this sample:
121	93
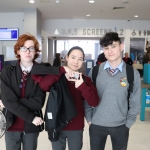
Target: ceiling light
57	1
88	15
91	1
136	16
31	1
125	1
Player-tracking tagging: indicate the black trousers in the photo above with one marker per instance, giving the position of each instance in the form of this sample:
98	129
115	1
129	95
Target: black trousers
16	140
98	135
74	138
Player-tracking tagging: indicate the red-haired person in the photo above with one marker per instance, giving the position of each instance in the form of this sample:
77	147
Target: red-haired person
22	96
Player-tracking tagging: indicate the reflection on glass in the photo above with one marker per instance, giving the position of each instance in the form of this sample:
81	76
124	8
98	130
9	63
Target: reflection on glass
137	46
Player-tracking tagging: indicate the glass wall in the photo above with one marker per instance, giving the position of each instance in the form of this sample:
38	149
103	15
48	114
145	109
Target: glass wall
90	47
137	46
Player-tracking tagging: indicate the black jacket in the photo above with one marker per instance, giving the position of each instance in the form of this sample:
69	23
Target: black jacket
65	104
101	58
129	61
29	106
57	62
44	69
61	107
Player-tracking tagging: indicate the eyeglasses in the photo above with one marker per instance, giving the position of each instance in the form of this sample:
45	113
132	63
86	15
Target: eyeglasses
24	49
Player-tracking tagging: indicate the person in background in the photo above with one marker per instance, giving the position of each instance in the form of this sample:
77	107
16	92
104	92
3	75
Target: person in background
57	60
127	59
23	97
63	54
101	59
112	116
79	89
146	57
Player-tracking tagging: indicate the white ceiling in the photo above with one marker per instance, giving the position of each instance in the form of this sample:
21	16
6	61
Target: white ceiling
78	9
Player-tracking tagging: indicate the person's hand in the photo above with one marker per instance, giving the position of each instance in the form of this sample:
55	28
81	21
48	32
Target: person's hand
37	121
1	104
89	123
78	81
70	73
148	62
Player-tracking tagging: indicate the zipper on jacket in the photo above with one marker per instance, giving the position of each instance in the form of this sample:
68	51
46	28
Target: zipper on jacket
54	133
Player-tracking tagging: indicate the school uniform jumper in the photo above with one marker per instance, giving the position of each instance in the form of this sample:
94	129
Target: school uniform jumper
74	130
111	116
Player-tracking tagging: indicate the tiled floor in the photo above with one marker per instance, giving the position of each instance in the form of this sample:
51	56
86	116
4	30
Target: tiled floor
139	137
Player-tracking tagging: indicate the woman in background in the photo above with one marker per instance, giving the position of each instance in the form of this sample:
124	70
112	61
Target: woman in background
57	60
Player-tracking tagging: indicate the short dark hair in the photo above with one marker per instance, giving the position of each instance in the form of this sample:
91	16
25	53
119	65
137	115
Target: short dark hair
78	48
109	38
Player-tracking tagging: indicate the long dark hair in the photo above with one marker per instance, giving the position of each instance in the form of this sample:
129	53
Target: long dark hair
57	55
76	48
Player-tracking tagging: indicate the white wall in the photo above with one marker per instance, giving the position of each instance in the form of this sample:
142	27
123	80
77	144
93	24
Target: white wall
96	28
50	51
27	21
16	20
51	25
11	20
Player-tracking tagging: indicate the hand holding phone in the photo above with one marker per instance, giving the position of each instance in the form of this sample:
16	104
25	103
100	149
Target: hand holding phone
76	76
77	79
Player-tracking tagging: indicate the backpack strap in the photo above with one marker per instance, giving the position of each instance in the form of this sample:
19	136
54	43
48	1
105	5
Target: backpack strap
95	73
130	78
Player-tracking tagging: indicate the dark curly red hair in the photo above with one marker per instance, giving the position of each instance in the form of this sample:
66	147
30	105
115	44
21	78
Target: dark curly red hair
20	42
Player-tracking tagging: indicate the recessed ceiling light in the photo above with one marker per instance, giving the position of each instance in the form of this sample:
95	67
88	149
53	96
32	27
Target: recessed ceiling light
91	1
57	1
125	1
136	16
88	15
31	1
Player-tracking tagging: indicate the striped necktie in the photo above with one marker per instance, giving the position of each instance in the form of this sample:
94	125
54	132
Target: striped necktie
25	74
113	72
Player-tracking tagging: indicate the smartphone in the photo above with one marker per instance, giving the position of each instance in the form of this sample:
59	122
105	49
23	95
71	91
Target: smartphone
76	76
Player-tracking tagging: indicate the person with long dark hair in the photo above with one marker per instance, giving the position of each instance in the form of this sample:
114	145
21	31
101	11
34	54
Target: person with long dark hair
80	89
57	60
